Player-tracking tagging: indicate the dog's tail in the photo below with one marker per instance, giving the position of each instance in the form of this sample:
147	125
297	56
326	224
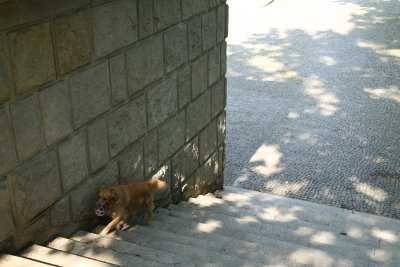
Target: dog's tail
157	184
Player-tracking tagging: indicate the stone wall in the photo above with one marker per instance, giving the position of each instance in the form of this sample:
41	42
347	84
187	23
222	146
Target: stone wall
96	93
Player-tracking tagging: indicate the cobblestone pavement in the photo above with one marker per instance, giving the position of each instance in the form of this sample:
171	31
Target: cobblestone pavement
313	106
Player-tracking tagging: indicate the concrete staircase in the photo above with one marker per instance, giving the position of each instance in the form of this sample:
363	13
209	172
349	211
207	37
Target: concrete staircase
233	228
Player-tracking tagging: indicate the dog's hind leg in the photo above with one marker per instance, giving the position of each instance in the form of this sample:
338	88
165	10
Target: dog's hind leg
149	207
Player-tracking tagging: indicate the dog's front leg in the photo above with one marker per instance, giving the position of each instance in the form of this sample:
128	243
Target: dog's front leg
109	226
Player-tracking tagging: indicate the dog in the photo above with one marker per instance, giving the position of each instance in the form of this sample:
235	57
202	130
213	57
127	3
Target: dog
123	200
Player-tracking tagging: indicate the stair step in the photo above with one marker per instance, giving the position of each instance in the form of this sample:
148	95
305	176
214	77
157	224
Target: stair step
131	248
234	248
197	254
276	247
99	253
376	236
306	235
60	258
311	211
7	260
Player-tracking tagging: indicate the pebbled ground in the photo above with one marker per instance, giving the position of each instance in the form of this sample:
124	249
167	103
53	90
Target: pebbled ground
313	108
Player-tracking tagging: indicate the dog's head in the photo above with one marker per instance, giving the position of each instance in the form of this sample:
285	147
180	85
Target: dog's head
107	196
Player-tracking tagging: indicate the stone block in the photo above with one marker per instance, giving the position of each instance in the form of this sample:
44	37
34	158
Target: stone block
184	88
208	141
131	164
145	64
223	58
209	30
150	152
56	112
221	10
90	93
32	59
36	185
162	101
7	227
114	26
214	65
221	162
97	144
39	223
189	188
163	174
166	13
171	136
26	120
60	213
72	41
175	47
126	125
199	76
185	162
221	128
5	84
193	7
214	3
119	88
145	18
84	198
226	20
198	115
194	37
217	97
7	154
73	165
207	175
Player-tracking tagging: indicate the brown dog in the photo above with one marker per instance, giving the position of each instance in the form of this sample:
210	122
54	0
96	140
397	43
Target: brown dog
123	200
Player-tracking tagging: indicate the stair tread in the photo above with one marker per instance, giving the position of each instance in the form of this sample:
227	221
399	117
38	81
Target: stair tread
60	258
276	248
100	253
7	260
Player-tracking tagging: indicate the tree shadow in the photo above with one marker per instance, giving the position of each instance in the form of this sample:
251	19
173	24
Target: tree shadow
315	115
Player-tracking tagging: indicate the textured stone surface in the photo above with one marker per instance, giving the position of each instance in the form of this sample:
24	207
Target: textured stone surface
221	18
126	125
175	47
114	26
198	115
7	154
193	7
162	101
37	186
163	174
5	85
166	13
97	144
150	152
145	18
90	93
119	88
217	97
186	161
72	41
171	136
84	197
321	123
208	173
25	116
145	64
131	164
214	65
32	59
194	37
73	165
189	188
6	223
60	212
56	112
199	76
184	89
208	141
209	30
221	128
223	58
